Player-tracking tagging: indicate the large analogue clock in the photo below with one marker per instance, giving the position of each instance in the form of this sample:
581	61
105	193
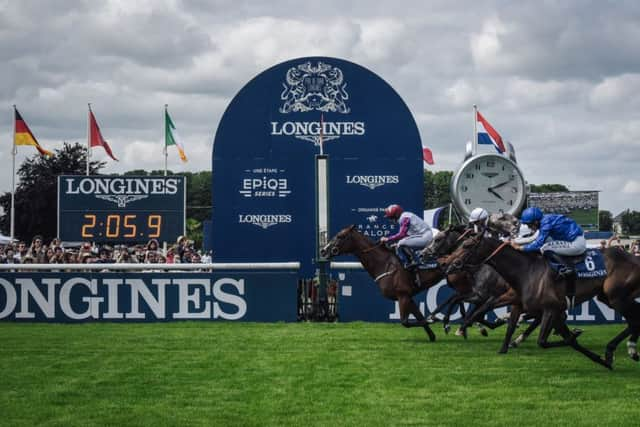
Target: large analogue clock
489	181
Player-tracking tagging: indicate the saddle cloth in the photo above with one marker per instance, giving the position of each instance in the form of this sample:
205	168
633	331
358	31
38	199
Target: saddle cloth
427	263
589	265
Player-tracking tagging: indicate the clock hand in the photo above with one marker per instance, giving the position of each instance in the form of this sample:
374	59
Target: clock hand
501	184
490	189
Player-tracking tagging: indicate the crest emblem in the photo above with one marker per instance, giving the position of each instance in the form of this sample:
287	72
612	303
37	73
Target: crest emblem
319	88
120	200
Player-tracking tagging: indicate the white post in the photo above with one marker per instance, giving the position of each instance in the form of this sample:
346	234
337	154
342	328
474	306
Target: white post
88	138
475	129
14	151
166	154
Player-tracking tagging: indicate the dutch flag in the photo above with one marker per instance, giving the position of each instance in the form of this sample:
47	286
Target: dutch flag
487	134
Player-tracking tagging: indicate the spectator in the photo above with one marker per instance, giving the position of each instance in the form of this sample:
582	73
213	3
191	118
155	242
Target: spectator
603	245
22	251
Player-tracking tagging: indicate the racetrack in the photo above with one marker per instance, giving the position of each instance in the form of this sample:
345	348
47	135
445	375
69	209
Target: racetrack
302	374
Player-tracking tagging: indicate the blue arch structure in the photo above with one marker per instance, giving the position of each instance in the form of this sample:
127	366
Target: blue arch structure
263	181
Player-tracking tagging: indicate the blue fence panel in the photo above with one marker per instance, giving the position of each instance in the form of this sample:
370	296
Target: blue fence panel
263	296
359	299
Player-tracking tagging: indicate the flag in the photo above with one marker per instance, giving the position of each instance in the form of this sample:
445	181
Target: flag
23	135
487	134
427	155
171	136
95	136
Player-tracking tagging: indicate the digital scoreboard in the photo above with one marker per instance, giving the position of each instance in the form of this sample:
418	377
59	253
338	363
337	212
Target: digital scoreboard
121	209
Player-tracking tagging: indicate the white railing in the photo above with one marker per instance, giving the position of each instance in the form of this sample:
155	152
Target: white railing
155	267
347	265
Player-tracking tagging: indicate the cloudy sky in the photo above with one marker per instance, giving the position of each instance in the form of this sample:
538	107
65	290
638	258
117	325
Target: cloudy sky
560	80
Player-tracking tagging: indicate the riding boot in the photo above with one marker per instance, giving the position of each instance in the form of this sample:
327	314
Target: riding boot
406	257
565	270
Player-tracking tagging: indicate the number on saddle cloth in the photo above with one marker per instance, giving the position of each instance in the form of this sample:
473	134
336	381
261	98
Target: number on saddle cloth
588	265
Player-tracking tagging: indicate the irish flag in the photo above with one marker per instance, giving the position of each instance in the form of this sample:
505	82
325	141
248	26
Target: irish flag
171	136
23	135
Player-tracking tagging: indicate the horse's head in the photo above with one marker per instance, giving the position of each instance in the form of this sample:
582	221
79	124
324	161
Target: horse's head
503	224
342	243
445	241
468	255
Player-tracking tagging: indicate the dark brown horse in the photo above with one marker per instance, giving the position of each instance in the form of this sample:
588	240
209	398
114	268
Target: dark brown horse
542	293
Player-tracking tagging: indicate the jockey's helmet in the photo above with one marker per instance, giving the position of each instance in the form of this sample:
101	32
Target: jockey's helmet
478	215
531	215
393	211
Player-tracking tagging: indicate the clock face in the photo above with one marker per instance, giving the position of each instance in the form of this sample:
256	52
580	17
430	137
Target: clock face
489	181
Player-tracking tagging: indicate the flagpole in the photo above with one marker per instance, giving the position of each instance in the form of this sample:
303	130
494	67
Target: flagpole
88	137
475	129
166	154
14	151
321	134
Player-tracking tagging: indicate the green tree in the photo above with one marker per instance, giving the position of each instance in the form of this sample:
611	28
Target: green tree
631	222
36	193
605	219
437	188
548	188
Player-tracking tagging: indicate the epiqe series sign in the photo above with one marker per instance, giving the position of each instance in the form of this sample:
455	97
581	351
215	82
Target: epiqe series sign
263	184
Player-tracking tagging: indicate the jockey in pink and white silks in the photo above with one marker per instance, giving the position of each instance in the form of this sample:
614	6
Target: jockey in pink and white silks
413	235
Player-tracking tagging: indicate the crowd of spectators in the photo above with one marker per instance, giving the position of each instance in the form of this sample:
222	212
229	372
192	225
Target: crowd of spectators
57	252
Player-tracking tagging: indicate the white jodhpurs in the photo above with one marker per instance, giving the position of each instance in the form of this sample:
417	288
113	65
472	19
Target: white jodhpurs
562	247
417	241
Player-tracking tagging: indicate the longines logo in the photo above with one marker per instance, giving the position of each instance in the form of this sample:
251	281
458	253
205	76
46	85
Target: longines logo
373	181
264	221
121	191
315	88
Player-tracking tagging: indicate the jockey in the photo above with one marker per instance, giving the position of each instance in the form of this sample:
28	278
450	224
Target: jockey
414	234
557	235
479	218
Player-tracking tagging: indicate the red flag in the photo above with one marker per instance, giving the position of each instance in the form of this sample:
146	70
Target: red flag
427	155
95	136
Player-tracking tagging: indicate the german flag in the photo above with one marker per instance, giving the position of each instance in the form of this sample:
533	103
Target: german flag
23	135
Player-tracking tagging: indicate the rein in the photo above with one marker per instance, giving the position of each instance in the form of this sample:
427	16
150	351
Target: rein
494	253
467	231
369	249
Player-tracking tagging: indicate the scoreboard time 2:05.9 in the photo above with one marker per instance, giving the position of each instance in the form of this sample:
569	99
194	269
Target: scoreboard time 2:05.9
121	208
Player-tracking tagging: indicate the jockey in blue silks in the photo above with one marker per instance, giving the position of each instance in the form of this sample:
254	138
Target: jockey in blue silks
414	234
557	235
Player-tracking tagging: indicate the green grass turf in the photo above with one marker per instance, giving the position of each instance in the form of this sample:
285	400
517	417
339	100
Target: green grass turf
357	374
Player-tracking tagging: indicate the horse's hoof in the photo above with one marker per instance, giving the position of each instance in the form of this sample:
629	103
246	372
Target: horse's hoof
577	332
484	332
431	319
608	360
635	357
460	332
513	344
446	328
502	351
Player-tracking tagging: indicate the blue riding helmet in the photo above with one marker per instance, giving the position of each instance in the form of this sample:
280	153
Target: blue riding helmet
531	215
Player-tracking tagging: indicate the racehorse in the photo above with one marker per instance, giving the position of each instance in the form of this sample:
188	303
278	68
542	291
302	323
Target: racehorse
394	281
542	292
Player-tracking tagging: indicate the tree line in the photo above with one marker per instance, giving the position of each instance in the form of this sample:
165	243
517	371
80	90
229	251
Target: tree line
36	194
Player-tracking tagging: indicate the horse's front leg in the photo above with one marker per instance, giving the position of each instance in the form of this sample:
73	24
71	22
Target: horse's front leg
432	317
516	310
407	307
